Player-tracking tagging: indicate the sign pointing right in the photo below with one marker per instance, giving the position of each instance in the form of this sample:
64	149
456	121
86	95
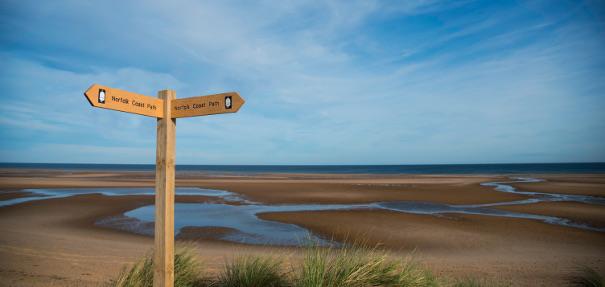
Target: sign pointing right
206	105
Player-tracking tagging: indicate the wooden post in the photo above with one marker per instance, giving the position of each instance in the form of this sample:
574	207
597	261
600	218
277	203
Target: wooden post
163	275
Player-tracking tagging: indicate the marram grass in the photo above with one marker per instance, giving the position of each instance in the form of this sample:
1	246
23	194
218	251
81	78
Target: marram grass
351	266
252	271
187	271
358	266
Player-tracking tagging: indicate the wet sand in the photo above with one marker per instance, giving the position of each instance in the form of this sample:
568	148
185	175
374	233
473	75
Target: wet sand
593	215
568	184
55	242
13	194
528	252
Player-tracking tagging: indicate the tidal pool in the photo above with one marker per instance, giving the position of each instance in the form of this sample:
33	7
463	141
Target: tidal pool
243	219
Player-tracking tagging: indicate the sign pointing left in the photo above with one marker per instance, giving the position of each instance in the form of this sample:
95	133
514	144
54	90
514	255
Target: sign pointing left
124	101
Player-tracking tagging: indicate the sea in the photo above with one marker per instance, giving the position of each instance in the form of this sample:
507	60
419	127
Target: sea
498	168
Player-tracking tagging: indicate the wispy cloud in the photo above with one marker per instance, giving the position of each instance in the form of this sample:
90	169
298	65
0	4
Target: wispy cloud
325	81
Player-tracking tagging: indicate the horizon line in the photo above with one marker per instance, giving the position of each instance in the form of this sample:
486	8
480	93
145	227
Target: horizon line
406	164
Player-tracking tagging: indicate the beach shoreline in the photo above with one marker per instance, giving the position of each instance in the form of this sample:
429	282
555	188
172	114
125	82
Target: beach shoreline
40	236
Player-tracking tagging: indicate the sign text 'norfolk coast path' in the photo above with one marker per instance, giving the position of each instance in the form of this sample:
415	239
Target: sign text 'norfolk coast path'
124	101
206	105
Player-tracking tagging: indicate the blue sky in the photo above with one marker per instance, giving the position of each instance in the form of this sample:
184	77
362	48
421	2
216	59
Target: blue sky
325	82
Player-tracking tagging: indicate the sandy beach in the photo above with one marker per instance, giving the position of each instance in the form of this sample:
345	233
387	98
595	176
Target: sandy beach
55	242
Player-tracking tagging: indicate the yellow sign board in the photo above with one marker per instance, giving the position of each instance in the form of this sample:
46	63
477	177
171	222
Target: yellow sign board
206	105
124	101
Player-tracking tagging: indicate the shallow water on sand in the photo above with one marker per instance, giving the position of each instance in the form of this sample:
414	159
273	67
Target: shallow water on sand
41	194
484	209
245	226
243	219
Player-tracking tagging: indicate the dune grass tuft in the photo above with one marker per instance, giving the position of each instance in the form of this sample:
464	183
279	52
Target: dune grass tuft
586	277
186	267
356	265
352	265
141	274
250	271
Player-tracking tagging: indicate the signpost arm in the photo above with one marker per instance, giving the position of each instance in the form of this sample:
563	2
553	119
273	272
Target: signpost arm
164	195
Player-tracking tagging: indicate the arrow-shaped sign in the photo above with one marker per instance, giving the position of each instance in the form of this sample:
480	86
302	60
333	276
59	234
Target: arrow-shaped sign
119	100
206	105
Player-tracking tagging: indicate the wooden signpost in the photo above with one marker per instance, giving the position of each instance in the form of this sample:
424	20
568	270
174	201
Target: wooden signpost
166	108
